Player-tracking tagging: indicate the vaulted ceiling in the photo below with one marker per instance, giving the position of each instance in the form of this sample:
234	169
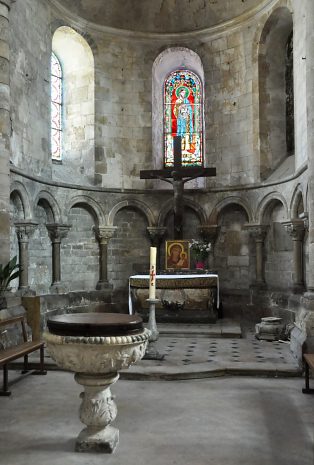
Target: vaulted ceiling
159	15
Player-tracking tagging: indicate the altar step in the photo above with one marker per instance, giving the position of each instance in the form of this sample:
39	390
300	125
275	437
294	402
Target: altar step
222	328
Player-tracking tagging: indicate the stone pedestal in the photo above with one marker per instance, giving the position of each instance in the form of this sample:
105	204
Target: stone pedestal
97	411
96	357
270	329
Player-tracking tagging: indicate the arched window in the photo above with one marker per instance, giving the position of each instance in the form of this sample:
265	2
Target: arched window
276	110
183	116
56	108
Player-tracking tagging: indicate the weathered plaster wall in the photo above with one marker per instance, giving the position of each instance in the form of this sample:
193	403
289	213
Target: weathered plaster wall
30	48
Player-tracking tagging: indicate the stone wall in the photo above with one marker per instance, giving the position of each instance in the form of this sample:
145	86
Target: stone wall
107	191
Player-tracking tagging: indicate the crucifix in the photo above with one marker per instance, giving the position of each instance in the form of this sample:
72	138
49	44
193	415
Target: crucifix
178	175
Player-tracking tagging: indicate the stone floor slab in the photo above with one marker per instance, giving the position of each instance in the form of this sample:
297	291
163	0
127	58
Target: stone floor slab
224	421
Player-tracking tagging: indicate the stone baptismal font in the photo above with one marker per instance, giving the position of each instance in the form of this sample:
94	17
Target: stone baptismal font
96	346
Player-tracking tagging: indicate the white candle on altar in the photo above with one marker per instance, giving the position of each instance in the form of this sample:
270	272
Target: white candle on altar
152	273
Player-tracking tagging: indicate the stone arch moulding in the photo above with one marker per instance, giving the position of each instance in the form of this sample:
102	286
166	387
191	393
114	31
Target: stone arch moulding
188	203
19	188
213	218
169	60
135	204
48	201
297	197
266	205
57	23
90	204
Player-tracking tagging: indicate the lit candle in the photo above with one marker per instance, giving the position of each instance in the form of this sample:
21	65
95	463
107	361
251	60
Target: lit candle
152	273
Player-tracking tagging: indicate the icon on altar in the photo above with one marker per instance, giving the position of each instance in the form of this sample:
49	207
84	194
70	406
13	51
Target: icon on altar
177	255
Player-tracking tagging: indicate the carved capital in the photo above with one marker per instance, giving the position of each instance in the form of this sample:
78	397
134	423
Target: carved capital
156	234
57	231
257	231
209	233
295	228
104	233
24	229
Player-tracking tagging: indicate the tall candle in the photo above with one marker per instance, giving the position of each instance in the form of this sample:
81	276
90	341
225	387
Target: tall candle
152	273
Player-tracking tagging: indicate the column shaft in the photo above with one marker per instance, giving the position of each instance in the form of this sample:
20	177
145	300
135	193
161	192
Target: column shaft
56	268
297	263
259	262
103	257
5	130
23	259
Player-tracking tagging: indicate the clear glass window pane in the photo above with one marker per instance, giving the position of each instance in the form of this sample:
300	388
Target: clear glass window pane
56	108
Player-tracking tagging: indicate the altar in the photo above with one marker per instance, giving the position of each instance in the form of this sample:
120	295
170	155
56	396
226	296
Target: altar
183	297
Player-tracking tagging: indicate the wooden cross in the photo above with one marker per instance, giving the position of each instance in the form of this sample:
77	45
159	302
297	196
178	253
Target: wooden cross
179	175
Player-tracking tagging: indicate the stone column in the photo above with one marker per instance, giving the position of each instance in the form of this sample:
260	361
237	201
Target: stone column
104	234
24	229
296	230
5	132
57	232
258	232
156	235
209	233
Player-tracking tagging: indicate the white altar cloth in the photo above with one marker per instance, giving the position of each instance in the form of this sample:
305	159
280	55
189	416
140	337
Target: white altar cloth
160	277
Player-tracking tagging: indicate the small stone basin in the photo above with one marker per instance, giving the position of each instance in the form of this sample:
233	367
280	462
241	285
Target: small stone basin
96	346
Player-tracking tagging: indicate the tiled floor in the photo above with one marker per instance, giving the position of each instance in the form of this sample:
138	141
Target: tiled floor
192	353
187	351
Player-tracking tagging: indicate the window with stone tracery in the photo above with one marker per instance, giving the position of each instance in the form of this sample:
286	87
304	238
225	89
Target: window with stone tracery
183	116
56	108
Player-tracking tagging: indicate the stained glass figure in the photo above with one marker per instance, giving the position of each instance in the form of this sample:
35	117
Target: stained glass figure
56	108
183	116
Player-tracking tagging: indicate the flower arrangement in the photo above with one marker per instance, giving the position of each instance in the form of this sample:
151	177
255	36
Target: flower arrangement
200	249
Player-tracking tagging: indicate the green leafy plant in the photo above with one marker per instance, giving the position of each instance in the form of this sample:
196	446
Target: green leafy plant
8	272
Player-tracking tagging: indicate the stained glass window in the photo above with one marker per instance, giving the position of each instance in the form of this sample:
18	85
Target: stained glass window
56	108
183	116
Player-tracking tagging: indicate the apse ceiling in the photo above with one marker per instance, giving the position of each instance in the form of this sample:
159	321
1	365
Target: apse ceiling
160	16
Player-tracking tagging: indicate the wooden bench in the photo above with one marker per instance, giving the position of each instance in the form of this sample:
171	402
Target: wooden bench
20	350
309	363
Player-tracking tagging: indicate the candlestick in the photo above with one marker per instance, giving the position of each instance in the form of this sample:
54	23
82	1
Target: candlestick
152	273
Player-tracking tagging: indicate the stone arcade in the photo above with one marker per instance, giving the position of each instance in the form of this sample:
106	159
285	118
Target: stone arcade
94	93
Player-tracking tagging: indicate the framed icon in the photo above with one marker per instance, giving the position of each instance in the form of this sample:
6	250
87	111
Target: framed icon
177	255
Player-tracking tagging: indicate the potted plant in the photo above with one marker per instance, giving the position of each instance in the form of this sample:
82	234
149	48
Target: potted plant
8	272
200	251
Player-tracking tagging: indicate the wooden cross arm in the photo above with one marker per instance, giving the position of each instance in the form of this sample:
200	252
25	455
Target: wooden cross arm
194	172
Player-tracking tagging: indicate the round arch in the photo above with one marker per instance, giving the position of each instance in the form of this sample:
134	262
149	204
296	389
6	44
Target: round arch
297	197
168	60
187	202
135	204
19	189
50	204
88	203
213	218
266	205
